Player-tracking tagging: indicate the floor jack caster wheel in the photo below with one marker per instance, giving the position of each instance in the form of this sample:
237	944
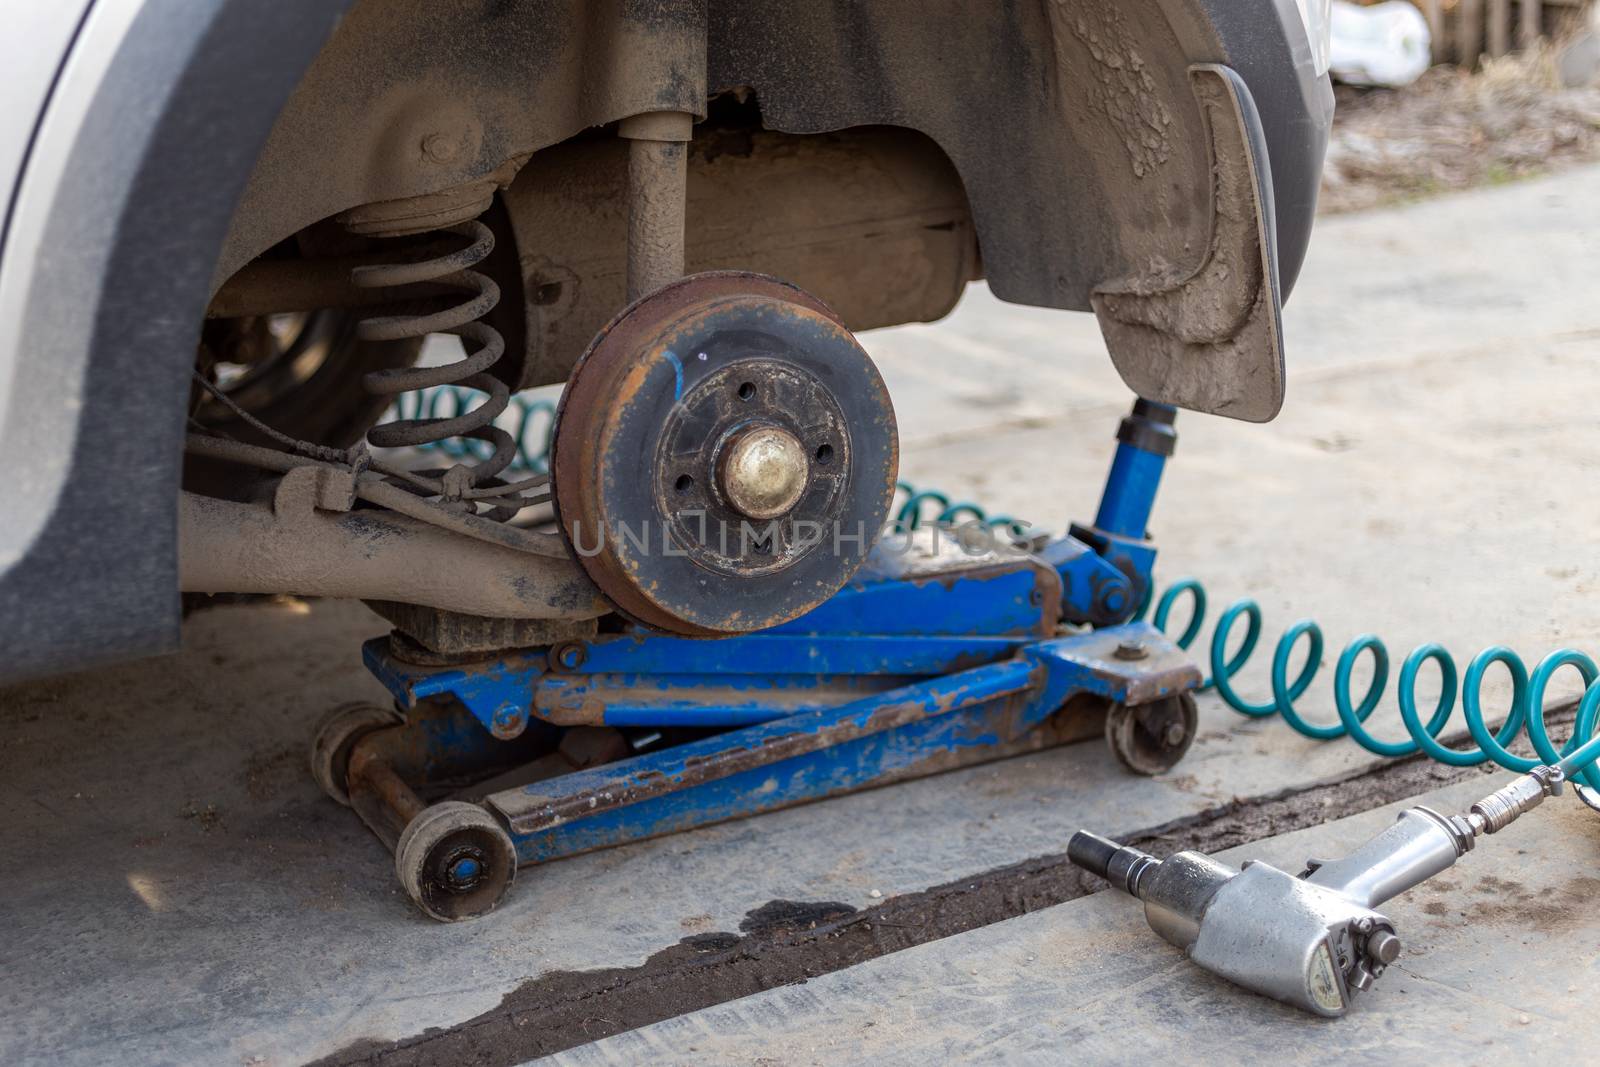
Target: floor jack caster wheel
455	861
336	735
1151	738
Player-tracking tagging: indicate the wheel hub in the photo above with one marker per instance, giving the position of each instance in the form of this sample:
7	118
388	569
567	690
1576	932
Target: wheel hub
724	456
735	482
764	472
464	870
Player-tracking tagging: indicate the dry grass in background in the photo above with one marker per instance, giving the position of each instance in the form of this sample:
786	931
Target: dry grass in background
1452	130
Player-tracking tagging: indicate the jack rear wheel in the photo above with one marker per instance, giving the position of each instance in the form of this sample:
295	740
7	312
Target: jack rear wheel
455	861
1151	738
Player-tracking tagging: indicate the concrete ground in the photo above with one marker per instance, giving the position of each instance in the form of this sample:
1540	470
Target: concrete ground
1500	965
181	893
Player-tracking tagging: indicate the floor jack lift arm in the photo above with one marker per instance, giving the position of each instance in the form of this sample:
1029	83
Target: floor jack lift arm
935	656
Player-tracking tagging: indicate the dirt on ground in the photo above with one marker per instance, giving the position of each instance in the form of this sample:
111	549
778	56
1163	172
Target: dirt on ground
1451	130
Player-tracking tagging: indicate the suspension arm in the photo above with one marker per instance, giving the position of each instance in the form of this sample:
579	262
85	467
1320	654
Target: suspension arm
290	546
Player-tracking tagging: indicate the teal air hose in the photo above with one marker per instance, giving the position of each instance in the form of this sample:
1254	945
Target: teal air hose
535	423
1577	758
930	505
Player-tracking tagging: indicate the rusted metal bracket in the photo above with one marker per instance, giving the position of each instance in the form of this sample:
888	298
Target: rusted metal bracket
1209	339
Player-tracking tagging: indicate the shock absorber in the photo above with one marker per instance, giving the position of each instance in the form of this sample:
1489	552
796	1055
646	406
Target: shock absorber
465	483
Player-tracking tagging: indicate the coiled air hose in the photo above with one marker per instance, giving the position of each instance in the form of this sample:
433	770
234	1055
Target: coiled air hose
1579	758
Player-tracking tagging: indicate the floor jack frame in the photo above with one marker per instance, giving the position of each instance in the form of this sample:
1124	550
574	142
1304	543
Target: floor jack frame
938	654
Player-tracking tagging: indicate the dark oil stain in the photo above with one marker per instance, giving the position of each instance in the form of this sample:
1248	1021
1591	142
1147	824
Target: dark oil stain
776	915
1551	911
1491	885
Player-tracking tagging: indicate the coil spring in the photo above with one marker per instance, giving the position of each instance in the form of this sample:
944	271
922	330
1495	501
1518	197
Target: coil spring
451	270
535	425
1580	756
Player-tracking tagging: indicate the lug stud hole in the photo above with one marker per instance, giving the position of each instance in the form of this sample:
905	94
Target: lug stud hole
683	484
824	454
747	391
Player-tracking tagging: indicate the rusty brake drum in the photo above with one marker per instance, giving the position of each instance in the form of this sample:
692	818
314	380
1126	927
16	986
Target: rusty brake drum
725	455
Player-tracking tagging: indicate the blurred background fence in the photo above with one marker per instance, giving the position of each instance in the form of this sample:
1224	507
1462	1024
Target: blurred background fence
1464	31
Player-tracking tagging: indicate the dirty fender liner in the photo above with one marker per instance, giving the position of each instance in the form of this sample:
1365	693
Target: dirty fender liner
788	942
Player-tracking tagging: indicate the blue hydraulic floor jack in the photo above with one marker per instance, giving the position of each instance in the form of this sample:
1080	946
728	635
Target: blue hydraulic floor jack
939	654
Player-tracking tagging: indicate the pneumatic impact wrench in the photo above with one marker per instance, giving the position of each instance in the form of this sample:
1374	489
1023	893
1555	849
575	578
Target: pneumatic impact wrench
1315	940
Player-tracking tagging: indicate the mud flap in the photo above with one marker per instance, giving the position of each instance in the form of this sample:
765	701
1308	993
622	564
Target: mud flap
1210	339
